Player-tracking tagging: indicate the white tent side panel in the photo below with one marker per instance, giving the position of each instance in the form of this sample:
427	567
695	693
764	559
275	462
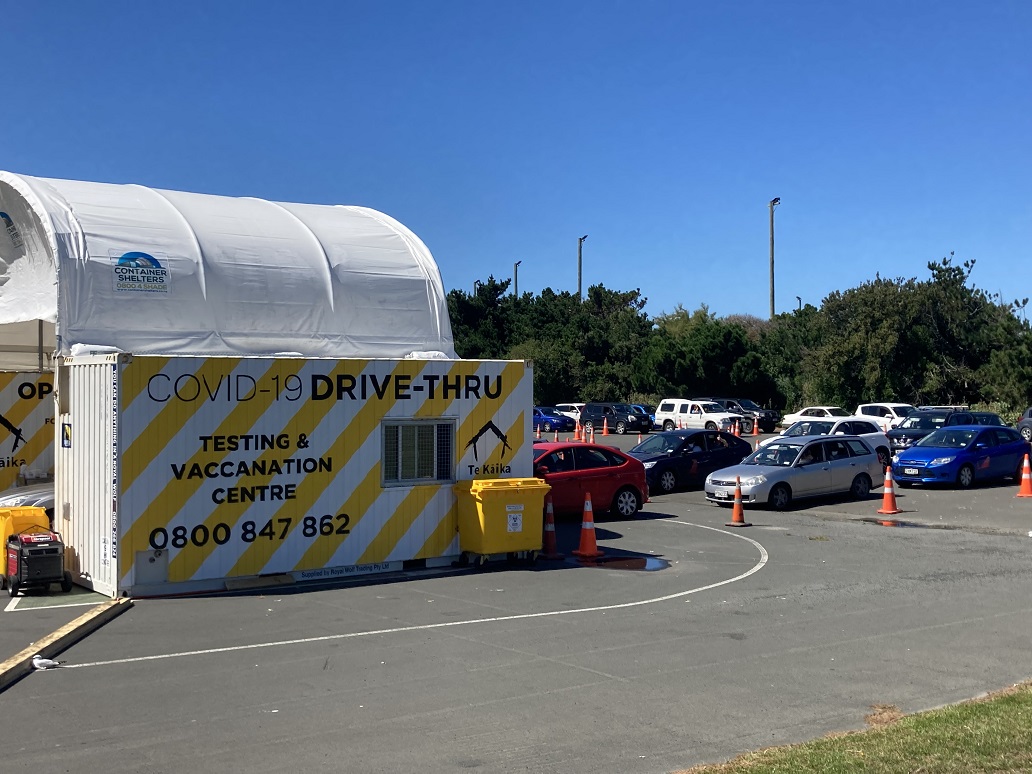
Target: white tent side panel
162	272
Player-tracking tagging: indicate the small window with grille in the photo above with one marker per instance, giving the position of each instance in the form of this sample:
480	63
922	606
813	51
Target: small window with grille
418	452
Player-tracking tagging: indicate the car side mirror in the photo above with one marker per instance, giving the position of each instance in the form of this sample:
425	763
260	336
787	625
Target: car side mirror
980	445
541	471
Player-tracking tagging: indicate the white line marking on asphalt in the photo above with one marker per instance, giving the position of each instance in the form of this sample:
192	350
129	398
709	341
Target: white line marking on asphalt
447	624
12	604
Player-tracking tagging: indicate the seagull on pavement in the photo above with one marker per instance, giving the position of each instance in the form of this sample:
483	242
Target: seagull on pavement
38	662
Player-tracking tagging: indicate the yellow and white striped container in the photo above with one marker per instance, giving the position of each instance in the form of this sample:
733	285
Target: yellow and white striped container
179	474
26	428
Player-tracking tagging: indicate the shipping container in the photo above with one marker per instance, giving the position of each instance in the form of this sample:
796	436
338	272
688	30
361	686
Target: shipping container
182	474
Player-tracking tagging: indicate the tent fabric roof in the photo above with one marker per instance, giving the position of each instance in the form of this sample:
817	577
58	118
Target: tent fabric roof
149	271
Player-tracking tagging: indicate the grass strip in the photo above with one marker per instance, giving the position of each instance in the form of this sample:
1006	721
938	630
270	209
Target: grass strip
989	734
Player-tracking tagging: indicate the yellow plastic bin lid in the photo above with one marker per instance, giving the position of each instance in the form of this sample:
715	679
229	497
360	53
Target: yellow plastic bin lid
506	484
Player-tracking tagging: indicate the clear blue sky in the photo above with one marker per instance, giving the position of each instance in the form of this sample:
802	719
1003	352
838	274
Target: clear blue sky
893	132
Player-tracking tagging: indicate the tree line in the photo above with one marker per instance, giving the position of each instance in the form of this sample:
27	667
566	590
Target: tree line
938	340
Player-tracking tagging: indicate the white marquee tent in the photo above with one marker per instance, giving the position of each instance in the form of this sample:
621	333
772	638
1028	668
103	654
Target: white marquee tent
97	266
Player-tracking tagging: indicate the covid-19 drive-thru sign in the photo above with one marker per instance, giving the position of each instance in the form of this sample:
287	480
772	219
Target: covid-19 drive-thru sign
196	471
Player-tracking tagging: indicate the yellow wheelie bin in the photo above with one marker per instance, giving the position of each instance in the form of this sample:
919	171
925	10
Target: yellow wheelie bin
500	516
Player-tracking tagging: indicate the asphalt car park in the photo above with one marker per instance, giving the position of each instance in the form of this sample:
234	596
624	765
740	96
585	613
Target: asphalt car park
686	643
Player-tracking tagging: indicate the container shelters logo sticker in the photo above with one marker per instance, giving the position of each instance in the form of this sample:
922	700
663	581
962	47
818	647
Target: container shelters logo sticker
12	230
137	272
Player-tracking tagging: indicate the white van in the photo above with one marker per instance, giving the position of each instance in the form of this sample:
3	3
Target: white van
675	413
572	410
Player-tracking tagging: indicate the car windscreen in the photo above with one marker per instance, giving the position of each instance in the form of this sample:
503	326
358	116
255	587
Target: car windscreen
837	412
778	454
548	411
658	444
904	411
918	421
748	404
713	408
809	427
949	438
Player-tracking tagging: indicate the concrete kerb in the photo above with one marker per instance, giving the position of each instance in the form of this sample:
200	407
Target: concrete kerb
15	668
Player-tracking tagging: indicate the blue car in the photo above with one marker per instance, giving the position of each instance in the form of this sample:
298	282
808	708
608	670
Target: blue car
547	419
961	455
649	411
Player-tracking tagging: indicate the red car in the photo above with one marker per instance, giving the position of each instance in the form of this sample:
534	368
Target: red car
615	480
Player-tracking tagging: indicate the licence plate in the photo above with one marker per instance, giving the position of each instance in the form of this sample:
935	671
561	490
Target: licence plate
910	471
721	493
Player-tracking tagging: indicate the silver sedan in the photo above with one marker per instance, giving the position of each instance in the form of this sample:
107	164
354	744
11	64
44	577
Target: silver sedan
793	468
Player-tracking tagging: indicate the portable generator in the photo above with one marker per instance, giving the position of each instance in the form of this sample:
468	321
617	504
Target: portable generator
36	559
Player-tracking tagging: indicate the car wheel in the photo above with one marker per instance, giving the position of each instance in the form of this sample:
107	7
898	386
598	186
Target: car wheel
66	582
668	425
547	427
621	428
711	425
1020	471
780	497
883	457
589	426
667	481
1026	433
747	427
626	503
861	487
966	477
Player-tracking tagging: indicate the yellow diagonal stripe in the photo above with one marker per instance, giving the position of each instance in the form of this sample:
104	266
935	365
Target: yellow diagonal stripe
365	495
405	515
169	420
442	536
132	385
343	448
175	493
305	421
394	530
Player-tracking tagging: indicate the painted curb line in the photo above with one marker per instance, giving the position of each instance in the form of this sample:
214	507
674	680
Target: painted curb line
15	668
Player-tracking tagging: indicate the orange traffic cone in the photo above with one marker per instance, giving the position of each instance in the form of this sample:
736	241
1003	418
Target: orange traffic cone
537	430
588	548
576	431
737	512
738	429
605	425
1026	480
557	436
889	500
550	549
755	428
639	437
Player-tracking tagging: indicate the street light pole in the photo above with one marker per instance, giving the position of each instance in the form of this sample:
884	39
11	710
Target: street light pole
516	279
773	203
580	245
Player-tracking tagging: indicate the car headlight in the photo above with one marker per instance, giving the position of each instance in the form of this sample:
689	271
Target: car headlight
754	480
942	460
650	465
895	459
709	479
